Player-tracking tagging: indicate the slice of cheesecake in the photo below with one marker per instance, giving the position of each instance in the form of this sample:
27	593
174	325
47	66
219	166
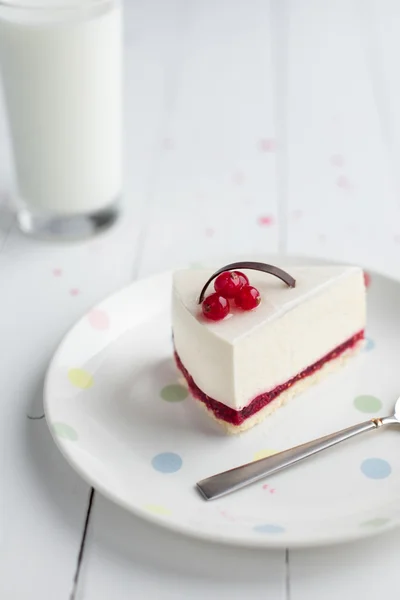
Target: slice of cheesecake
246	365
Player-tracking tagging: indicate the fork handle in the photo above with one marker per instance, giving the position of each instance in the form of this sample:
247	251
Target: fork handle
239	477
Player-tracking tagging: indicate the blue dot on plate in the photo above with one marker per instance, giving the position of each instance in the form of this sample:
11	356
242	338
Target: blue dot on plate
376	468
269	528
369	345
167	462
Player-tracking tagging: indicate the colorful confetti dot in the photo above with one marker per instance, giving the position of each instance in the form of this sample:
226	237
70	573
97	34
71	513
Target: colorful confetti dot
265	220
57	272
344	183
367	279
99	319
167	462
369	345
367	404
74	292
64	431
297	214
264	453
267	145
209	232
337	160
174	392
80	378
167	143
269	528
238	178
377	522
376	468
157	509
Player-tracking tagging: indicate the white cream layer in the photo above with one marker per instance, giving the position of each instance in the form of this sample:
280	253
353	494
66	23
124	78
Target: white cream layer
249	353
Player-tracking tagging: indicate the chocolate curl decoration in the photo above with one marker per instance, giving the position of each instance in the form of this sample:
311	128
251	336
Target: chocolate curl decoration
255	266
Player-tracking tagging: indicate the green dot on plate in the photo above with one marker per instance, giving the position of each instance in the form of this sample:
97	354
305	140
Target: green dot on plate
367	404
174	393
65	431
377	522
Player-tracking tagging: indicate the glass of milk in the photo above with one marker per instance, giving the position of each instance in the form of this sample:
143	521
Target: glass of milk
61	66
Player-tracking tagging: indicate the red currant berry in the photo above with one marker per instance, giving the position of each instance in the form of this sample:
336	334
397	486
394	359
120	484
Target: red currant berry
215	307
243	278
228	284
248	298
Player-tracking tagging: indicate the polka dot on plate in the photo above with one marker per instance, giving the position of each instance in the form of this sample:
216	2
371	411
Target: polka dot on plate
99	319
80	378
268	528
174	393
367	404
376	468
64	431
369	345
264	453
167	462
157	509
377	522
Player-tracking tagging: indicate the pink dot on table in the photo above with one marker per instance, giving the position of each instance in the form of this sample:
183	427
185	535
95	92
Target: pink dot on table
297	214
238	178
337	160
209	232
99	319
367	279
74	292
344	183
167	143
57	272
265	220
267	145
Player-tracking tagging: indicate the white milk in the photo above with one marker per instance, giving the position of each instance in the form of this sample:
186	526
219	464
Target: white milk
62	84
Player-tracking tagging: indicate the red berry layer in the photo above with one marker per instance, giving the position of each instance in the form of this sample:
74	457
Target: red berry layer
234	417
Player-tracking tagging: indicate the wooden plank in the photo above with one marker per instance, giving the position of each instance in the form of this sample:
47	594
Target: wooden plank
46	287
341	194
128	557
215	178
365	570
342	203
215	191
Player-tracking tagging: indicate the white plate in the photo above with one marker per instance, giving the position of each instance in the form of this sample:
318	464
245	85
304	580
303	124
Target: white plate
120	417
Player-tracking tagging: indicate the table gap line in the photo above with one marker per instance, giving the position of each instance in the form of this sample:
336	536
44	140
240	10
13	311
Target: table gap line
278	9
287	575
171	87
373	53
81	553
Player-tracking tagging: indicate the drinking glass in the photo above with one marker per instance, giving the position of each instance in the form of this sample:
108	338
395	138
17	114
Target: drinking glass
61	66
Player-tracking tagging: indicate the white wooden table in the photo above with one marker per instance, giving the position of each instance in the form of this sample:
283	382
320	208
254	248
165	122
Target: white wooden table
252	126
